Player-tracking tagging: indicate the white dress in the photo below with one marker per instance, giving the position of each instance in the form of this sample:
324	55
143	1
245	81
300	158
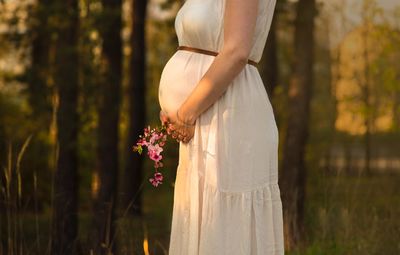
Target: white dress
226	198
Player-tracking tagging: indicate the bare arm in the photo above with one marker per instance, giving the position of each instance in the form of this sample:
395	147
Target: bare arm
239	25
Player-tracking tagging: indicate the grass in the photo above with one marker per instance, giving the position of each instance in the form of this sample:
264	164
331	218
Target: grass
353	214
28	232
132	232
345	215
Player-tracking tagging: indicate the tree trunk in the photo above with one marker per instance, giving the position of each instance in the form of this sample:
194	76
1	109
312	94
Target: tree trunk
4	206
64	225
137	109
104	218
270	71
396	109
39	94
293	177
365	89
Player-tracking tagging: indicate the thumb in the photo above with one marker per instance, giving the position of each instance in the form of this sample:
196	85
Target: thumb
163	117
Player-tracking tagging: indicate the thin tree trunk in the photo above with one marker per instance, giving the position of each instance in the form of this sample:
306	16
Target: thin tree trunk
39	93
365	88
396	109
270	71
65	224
104	220
137	109
39	90
293	176
4	208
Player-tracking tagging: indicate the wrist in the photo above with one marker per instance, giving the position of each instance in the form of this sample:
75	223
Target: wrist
186	117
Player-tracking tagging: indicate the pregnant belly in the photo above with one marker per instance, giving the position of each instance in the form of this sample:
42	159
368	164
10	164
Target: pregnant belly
178	79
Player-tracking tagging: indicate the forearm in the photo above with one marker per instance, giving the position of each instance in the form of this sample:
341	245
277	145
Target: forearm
225	67
239	24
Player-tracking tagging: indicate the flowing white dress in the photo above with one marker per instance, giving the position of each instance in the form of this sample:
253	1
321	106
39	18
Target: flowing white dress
226	198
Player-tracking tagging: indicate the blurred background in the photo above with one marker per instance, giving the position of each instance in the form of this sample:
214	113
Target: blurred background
79	82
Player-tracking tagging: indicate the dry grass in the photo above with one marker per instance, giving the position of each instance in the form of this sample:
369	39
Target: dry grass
353	214
345	215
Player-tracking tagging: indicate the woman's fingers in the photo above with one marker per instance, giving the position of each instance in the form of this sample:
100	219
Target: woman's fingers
186	134
163	117
180	133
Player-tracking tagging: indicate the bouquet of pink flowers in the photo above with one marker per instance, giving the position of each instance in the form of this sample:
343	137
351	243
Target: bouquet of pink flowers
154	139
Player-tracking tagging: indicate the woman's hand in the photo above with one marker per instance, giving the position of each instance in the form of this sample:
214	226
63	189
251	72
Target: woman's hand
179	130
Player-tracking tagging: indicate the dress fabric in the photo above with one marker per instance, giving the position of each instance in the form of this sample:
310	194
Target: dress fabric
226	198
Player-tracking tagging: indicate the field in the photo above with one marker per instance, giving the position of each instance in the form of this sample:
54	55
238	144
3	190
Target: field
345	215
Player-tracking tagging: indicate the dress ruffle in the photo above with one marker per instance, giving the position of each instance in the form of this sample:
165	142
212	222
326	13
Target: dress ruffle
224	222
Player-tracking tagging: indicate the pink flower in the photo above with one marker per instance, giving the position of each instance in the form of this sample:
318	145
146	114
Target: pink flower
155	148
154	156
158	137
158	177
142	142
154	139
154	152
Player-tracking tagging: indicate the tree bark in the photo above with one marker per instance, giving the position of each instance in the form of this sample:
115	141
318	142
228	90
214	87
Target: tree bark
293	176
104	215
64	224
365	85
39	94
132	195
270	71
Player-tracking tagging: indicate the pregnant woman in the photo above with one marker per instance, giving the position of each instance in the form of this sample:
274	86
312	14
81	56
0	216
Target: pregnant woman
227	198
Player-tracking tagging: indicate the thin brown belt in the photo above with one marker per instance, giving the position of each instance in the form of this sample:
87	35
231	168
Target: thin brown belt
211	53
